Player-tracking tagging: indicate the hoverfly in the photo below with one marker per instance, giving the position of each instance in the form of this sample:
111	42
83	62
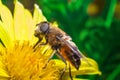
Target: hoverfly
60	42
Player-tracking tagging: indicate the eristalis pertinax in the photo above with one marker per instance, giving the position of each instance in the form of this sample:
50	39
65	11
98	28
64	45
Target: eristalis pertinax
60	42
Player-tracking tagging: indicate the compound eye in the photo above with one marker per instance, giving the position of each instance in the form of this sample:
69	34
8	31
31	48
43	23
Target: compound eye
44	27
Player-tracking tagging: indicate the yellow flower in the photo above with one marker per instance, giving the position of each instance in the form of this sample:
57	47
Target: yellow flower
19	60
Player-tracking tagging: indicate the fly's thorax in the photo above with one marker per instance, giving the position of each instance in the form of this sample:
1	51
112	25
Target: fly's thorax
52	38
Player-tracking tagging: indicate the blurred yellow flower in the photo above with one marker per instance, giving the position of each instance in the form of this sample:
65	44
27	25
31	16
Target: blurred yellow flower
18	59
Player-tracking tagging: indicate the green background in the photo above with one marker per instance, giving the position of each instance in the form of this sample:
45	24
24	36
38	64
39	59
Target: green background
94	26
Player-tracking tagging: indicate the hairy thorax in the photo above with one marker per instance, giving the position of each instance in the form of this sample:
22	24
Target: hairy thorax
52	38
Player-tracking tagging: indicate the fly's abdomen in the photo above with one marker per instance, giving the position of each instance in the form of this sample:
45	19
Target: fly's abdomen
70	56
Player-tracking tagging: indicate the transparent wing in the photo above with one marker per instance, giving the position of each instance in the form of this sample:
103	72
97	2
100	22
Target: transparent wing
68	41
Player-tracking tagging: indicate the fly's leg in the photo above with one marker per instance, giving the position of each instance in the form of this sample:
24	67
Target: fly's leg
49	59
63	72
62	58
70	72
38	43
44	43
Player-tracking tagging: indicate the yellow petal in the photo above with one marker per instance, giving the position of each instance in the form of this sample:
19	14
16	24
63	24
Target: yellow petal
4	35
55	24
87	67
7	20
68	78
20	25
30	25
38	16
79	79
60	64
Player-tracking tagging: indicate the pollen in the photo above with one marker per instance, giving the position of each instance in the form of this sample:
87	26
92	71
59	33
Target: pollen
23	62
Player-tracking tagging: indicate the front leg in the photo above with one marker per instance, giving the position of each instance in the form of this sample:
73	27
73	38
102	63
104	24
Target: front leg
44	43
37	43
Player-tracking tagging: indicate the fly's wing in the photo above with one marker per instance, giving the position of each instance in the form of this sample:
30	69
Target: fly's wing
68	41
74	48
69	51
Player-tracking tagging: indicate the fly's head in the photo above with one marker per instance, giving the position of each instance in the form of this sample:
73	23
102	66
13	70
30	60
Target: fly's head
42	29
